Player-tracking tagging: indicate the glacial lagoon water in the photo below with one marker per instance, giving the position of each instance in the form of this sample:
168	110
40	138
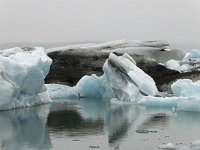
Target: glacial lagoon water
94	124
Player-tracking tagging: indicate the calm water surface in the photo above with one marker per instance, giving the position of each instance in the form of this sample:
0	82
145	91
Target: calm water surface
89	124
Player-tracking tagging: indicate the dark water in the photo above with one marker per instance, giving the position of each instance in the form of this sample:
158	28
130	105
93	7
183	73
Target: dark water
93	124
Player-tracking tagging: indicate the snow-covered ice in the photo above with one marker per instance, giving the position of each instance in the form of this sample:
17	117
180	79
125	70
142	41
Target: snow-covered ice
22	78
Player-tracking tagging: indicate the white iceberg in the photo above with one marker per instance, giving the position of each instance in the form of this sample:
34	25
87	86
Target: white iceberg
186	88
175	65
186	97
191	61
22	78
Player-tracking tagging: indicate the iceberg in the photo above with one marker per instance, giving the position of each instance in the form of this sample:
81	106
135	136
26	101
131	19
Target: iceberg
191	61
186	88
125	83
122	79
185	97
22	78
175	65
149	45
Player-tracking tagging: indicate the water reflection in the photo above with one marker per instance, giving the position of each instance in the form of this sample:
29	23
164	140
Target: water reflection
77	117
38	127
24	129
119	120
71	123
92	116
188	119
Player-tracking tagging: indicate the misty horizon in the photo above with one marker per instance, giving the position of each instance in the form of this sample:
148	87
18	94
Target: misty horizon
183	46
43	21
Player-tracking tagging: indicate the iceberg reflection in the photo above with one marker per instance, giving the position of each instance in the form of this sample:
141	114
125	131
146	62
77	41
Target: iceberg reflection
93	122
25	129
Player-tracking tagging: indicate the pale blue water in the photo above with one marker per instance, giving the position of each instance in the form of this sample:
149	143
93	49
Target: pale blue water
93	124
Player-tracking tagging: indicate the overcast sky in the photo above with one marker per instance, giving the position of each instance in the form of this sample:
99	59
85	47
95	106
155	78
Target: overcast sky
99	20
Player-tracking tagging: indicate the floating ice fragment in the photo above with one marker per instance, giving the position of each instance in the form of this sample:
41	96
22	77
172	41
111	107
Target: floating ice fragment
191	61
168	146
175	65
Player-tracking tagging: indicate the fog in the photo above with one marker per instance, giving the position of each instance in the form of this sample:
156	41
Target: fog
177	21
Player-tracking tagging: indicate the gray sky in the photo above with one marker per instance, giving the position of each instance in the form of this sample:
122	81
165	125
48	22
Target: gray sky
99	20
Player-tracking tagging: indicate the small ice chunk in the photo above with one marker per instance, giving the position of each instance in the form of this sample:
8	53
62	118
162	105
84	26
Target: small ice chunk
195	53
175	65
168	146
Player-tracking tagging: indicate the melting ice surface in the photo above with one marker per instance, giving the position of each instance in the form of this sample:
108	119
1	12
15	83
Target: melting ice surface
22	78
